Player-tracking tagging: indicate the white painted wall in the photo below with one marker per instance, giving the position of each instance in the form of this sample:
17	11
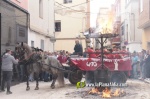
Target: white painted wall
72	24
135	47
134	34
40	28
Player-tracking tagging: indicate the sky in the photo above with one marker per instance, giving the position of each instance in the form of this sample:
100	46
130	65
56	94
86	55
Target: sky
95	5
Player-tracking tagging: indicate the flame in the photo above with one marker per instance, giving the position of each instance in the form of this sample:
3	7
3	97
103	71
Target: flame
106	93
117	92
94	91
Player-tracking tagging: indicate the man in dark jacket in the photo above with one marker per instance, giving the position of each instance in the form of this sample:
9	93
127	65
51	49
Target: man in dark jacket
78	50
7	69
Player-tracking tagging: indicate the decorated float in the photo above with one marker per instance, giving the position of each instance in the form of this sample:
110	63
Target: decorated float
101	69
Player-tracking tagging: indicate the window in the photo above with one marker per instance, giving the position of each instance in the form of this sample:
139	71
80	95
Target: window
57	26
122	30
32	43
127	1
141	5
41	8
22	32
67	1
42	44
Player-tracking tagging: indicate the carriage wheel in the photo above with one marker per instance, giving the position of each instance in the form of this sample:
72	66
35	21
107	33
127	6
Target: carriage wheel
75	77
118	77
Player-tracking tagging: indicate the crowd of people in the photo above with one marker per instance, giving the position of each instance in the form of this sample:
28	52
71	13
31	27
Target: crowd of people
140	62
11	70
61	55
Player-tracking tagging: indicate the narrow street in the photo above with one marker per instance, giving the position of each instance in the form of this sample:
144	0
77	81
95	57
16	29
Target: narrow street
102	41
136	90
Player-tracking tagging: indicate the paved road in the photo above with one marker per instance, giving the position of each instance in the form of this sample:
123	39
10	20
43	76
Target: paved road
45	92
135	90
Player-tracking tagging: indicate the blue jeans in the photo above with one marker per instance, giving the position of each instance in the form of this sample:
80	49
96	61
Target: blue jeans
135	71
143	70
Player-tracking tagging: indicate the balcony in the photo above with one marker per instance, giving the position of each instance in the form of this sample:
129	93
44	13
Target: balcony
116	40
118	19
117	24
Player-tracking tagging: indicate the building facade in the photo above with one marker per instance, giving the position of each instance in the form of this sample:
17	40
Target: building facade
41	22
41	26
21	3
14	24
70	23
132	34
144	22
127	14
118	7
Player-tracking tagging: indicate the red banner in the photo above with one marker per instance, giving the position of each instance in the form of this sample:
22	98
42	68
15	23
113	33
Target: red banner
90	64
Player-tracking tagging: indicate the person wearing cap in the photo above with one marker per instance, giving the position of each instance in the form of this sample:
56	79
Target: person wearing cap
7	70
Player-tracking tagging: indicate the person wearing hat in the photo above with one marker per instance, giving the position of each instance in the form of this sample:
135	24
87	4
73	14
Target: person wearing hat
7	70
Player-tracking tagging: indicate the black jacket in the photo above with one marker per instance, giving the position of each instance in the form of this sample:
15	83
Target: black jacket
78	49
147	67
